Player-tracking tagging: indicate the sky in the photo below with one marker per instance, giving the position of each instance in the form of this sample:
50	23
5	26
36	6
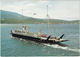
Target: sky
57	9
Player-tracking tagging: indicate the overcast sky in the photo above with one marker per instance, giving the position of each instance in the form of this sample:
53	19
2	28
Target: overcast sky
58	9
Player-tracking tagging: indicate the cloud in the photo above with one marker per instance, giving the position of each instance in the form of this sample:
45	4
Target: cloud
43	1
65	10
31	4
57	9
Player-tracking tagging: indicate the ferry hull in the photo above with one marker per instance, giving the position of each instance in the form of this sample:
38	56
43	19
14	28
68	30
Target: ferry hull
34	39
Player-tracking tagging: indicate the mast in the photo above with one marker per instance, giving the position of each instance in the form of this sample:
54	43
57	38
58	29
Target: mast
22	15
47	10
48	24
48	17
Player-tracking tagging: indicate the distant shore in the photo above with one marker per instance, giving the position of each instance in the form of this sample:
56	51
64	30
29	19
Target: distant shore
39	23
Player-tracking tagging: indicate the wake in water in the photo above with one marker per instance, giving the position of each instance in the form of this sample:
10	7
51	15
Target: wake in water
61	47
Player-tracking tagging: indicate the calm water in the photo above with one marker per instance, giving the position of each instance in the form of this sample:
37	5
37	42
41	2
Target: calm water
16	47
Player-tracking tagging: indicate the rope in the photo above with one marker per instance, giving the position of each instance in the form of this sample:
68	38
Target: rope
54	31
60	30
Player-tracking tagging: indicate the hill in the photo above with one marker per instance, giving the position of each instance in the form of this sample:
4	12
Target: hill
12	17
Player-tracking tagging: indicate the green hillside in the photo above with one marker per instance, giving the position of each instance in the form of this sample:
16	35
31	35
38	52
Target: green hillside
11	15
11	18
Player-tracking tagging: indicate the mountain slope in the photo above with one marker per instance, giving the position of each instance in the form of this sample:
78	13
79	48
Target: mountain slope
12	17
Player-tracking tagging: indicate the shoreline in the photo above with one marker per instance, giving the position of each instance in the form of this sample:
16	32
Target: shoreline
39	23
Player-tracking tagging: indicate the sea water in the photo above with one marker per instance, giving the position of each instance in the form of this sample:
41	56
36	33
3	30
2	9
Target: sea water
11	46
